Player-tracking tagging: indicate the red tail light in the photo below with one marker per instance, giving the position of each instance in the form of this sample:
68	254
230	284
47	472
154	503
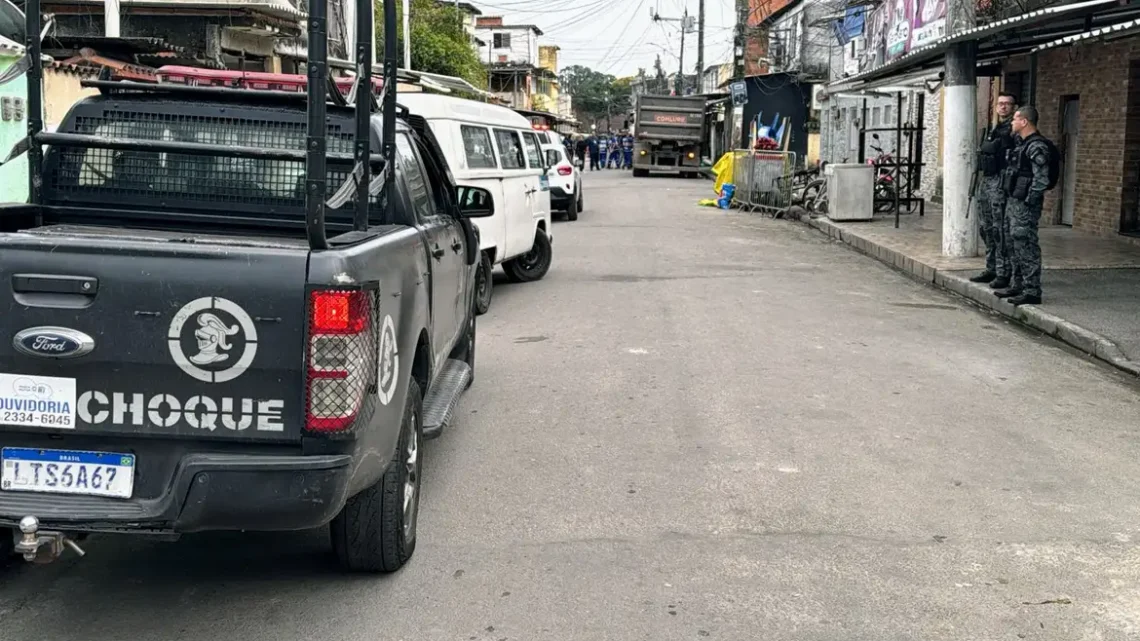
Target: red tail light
565	171
340	362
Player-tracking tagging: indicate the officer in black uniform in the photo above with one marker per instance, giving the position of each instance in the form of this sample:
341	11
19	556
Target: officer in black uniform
1026	181
992	224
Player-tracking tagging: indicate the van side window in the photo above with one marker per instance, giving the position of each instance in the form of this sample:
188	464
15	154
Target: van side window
414	178
477	146
510	149
532	152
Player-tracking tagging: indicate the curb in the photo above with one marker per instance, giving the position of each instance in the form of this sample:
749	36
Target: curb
1031	316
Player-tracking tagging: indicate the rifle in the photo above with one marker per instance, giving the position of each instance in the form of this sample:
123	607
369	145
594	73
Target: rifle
973	192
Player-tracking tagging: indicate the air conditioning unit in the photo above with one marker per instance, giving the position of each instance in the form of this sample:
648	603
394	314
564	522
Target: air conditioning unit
817	92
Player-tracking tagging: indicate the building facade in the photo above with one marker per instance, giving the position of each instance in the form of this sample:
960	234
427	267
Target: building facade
510	52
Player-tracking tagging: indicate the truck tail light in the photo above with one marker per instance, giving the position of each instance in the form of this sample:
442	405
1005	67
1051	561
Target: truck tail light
565	171
340	359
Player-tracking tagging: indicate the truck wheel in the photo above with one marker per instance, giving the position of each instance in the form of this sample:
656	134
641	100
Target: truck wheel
532	265
376	529
575	207
484	284
640	173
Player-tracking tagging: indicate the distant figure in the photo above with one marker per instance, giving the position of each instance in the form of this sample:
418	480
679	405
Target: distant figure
592	144
627	151
580	150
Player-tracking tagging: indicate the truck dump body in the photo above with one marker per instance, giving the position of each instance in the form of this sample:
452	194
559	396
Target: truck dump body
669	131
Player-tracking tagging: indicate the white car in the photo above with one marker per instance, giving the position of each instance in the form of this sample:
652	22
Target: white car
565	182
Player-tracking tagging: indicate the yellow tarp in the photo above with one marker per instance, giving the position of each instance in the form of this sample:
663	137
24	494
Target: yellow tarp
723	170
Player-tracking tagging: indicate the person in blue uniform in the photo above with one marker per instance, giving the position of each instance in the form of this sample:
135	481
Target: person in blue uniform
614	161
603	150
627	151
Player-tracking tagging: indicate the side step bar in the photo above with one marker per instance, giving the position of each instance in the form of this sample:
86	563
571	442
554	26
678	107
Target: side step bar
442	399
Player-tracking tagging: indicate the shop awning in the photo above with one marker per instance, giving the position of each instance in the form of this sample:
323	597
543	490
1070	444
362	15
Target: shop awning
1113	32
1002	38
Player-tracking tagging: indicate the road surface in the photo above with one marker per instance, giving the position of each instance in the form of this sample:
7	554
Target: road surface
700	425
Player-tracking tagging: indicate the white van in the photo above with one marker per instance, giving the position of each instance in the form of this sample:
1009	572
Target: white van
495	148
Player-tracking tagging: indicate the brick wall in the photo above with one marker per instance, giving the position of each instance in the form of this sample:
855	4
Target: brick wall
1099	75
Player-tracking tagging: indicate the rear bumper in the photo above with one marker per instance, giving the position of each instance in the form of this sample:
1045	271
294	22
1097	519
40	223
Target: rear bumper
559	198
208	492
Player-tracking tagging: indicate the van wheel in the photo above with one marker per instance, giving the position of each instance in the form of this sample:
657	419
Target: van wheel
484	283
376	529
465	350
532	265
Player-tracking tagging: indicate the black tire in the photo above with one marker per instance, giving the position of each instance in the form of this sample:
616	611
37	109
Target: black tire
374	532
532	265
640	173
484	284
574	208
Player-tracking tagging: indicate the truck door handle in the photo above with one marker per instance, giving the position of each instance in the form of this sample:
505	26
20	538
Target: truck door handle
437	253
456	246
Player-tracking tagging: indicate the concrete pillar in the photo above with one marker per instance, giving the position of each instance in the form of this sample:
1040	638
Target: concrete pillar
959	151
111	18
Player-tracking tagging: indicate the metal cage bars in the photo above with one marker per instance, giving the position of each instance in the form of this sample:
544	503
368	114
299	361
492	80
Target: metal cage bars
320	89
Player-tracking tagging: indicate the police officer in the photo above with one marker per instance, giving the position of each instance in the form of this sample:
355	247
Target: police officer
603	149
1026	180
614	161
991	201
627	150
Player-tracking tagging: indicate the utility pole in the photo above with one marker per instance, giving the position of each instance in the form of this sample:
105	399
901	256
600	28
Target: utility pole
681	61
739	40
686	25
701	46
111	18
407	35
959	229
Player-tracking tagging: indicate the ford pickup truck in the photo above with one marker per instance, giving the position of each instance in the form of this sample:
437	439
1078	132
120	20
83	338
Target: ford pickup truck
203	333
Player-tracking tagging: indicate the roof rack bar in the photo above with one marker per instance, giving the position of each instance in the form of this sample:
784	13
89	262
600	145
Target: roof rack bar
364	100
191	148
316	140
388	108
33	26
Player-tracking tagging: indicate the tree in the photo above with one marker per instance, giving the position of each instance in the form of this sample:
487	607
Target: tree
439	42
596	94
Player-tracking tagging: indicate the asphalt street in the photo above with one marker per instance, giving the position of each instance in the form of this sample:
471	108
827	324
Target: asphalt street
701	424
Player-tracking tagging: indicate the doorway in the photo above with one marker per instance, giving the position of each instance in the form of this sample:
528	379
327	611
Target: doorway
1070	135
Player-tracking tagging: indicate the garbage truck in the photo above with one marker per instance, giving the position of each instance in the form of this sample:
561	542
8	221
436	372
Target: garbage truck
668	131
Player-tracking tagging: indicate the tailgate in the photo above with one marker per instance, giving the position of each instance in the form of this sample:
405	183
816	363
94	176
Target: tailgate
151	335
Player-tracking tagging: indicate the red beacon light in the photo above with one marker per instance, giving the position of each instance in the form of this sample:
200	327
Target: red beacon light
258	80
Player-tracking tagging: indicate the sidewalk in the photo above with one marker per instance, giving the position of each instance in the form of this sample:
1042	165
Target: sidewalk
1091	284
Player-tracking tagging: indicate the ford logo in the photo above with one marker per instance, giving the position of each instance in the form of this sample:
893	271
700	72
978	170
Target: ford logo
53	342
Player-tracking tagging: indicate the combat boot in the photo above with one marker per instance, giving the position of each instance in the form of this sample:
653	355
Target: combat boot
1000	283
1007	293
984	277
1025	299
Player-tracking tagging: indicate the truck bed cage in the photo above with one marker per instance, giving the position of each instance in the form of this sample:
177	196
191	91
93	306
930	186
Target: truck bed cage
320	91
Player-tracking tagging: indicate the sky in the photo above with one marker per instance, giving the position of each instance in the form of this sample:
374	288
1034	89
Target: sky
619	36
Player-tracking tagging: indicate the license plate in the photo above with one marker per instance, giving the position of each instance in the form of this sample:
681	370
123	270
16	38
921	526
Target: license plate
544	183
67	472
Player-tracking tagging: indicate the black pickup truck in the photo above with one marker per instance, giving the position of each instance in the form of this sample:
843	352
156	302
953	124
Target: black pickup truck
182	356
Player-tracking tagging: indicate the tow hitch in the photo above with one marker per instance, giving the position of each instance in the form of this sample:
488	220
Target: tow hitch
42	546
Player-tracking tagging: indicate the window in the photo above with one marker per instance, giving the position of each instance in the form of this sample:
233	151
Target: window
875	117
510	149
887	115
553	157
532	151
477	146
414	178
502	40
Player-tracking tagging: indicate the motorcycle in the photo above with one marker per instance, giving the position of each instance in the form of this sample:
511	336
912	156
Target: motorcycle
885	188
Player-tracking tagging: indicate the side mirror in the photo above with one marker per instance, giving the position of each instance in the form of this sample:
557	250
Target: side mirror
875	136
474	202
